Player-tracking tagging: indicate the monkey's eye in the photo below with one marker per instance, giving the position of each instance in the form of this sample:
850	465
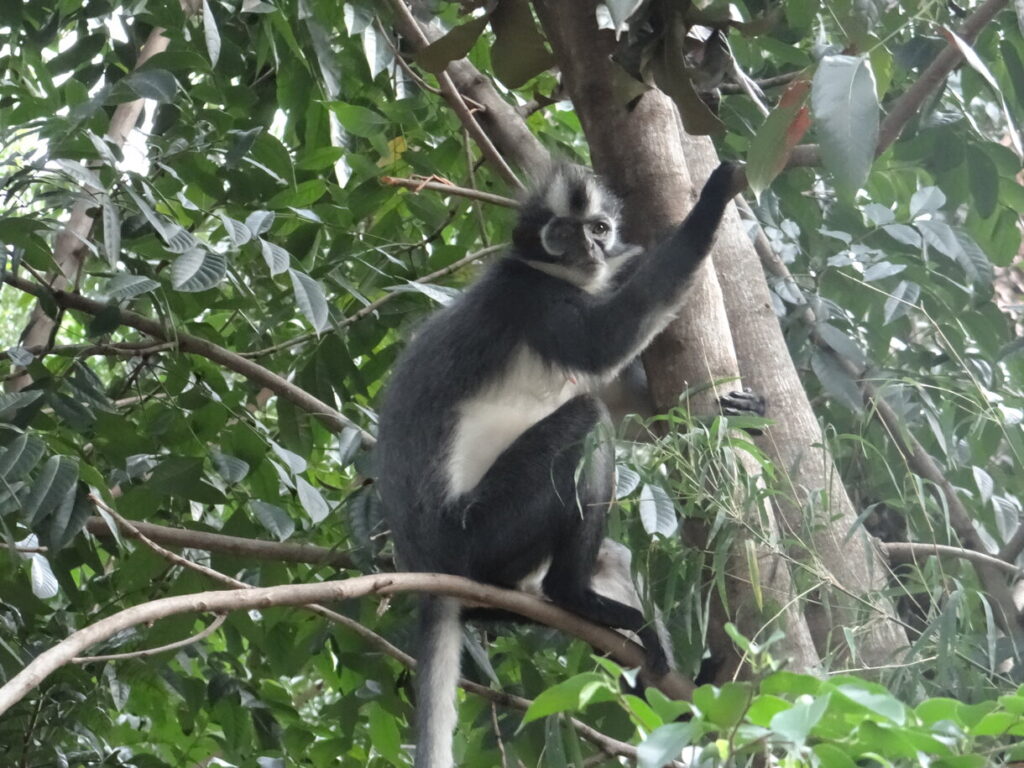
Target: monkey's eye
600	228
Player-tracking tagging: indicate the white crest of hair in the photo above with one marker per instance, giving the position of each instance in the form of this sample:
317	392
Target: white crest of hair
526	391
437	686
556	192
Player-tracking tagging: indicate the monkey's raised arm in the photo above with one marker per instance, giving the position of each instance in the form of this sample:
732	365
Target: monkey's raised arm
600	335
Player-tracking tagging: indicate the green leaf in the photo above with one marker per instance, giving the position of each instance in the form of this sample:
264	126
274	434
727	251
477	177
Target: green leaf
454	44
311	501
841	344
304	194
55	481
84	176
836	380
273	518
665	744
983	177
44	583
69	518
198	270
926	200
359	121
309	295
899	302
384	734
795	724
20	457
156	84
782	129
572	694
122	287
832	756
903	234
11	402
519	52
846	117
882	704
111	231
657	512
238	233
231	468
972	58
259	222
211	34
277	258
620	11
626	481
723	706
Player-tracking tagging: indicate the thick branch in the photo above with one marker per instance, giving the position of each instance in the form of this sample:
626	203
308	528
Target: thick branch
605	743
331	417
411	31
501	122
606	640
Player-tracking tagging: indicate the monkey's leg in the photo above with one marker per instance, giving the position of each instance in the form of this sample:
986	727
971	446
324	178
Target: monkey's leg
569	580
568	584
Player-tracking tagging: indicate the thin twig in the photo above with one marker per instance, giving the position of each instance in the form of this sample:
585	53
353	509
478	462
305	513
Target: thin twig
237	546
373	306
212	627
449	189
331	417
910	551
763	84
120	349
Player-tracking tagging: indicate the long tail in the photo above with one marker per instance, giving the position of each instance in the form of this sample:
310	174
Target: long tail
440	656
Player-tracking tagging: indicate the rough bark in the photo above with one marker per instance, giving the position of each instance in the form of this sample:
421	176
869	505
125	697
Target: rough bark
796	445
640	153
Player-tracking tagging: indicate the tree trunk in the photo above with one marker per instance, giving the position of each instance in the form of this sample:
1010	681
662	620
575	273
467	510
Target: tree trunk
639	152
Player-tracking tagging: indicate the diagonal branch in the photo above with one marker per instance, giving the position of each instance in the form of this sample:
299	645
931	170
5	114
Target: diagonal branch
605	743
909	104
222	601
411	31
918	460
501	124
332	418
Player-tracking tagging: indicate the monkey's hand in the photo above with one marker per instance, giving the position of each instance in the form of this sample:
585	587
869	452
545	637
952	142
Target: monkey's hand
745	403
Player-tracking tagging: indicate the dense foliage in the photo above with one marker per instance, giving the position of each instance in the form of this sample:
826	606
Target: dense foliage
247	211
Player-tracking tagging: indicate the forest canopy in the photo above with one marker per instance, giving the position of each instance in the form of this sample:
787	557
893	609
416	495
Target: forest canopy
221	221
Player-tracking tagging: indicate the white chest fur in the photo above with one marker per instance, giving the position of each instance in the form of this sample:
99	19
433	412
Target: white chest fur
527	391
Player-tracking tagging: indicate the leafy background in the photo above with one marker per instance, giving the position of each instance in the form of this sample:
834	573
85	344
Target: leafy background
247	210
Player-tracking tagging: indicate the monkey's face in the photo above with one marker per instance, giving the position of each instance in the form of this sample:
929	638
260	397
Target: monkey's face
580	244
